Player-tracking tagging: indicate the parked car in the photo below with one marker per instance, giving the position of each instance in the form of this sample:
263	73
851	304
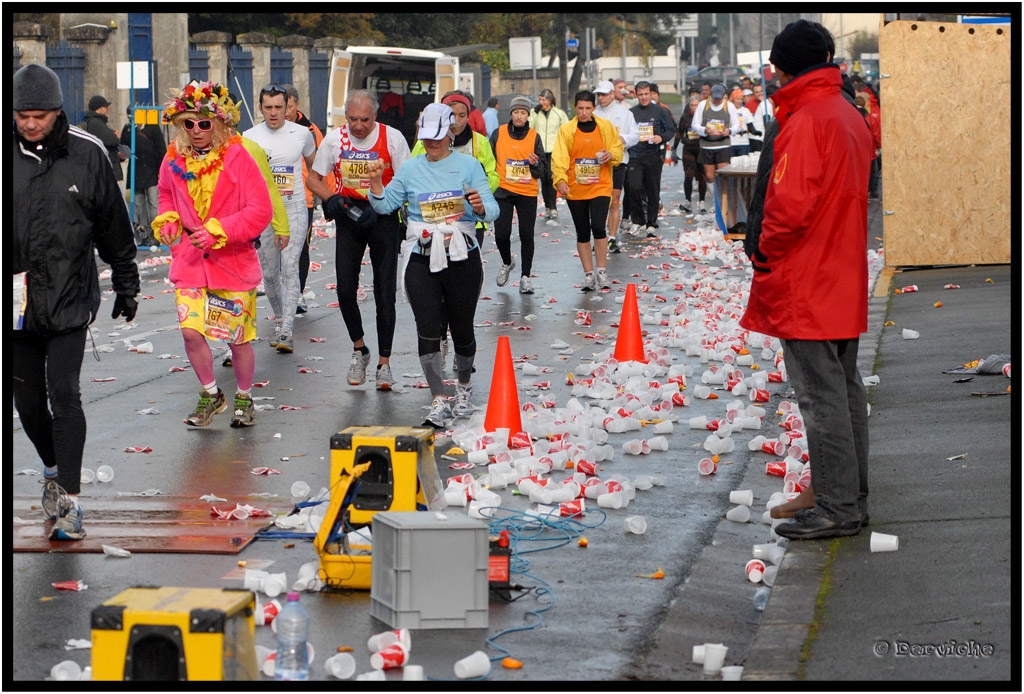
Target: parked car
728	75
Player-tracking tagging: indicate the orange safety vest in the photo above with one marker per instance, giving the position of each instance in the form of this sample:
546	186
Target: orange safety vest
512	163
587	178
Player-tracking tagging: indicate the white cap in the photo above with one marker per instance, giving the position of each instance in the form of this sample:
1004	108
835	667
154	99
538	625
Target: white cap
605	87
435	122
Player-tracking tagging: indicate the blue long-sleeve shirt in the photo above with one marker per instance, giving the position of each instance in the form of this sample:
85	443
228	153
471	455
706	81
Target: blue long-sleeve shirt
419	179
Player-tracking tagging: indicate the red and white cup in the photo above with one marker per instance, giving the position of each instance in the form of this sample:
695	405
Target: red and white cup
393	656
776	469
384	639
759	395
773	446
571	508
754	570
707	466
587	467
265	612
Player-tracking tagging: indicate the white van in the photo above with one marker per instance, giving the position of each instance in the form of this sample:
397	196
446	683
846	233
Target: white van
405	80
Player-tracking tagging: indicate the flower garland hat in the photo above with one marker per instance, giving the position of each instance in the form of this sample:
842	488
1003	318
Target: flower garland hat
205	98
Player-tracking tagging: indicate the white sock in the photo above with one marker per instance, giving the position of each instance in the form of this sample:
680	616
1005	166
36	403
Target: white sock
211	388
50	472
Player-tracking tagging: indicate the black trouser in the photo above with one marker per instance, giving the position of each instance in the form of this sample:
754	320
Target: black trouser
643	186
304	256
526	206
350	245
49	399
547	188
694	170
449	295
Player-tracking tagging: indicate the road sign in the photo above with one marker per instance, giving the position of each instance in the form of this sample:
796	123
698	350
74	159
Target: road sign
524	53
572	44
687	27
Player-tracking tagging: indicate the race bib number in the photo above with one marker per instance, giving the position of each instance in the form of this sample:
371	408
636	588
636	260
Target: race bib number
284	177
354	169
692	135
517	171
588	171
716	127
219	312
646	130
444	207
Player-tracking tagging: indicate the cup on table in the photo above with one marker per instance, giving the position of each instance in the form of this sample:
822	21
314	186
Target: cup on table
881	542
340	665
476	664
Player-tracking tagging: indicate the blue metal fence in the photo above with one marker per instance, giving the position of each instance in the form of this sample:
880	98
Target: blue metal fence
240	82
69	63
319	79
198	64
280	66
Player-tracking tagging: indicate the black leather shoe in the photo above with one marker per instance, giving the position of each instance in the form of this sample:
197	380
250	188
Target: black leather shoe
816	527
864	519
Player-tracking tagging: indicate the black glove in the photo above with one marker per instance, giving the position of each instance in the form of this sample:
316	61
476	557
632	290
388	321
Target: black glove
334	206
125	306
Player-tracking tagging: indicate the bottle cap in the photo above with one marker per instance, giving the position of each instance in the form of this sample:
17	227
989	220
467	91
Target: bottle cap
293	596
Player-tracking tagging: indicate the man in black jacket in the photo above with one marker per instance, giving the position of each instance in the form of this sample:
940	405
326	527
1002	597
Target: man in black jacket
643	173
66	206
96	123
150	149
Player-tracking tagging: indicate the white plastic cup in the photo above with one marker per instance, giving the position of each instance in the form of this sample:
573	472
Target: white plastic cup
253	579
477	457
477	664
698	654
763	551
754	570
88	475
909	334
658	443
707	466
530	369
412	673
755	443
714	656
739	514
698	422
611	500
744	497
732	673
663	427
635	524
769	576
66	671
104	473
881	542
300	490
274	584
340	665
372	675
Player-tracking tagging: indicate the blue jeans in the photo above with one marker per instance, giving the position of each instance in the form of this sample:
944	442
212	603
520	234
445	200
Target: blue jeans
834	406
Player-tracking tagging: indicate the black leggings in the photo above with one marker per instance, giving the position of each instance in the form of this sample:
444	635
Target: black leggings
49	399
589	217
547	187
526	206
304	256
451	295
350	246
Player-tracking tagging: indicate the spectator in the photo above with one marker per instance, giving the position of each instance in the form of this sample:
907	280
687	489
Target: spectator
476	118
643	174
876	139
96	123
291	148
519	154
750	100
587	151
814	234
546	119
740	141
625	125
150	148
691	151
343	157
214	266
491	115
446	192
760	114
293	114
65	208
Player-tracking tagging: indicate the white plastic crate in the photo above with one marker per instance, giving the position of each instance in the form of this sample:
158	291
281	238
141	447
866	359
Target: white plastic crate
429	570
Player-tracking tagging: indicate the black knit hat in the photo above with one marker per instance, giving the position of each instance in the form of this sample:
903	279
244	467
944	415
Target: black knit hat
798	47
36	88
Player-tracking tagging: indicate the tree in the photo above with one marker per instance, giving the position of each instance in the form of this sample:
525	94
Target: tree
862	42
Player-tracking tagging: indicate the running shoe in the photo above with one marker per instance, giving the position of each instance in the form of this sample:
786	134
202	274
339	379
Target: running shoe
463	407
440	413
503	273
589	282
602	279
208	406
525	285
53	493
385	381
244	413
357	370
69	525
285	344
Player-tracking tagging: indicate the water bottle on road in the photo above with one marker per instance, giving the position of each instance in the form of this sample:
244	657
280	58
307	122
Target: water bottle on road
292	659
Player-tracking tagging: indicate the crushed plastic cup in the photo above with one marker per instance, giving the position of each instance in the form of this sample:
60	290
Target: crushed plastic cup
88	475
769	576
477	664
739	514
744	497
881	542
909	334
340	665
104	473
732	673
707	466
635	524
66	671
300	490
112	551
714	656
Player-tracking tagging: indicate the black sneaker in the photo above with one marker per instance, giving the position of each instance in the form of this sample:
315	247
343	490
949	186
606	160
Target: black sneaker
613	245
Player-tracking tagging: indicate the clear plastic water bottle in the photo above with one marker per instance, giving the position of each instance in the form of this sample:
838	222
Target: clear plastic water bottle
292	659
760	598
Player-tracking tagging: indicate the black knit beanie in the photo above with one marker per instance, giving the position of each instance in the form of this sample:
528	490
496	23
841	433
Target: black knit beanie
36	88
798	47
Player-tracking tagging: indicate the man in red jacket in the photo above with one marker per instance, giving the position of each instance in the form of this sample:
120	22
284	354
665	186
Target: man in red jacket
810	285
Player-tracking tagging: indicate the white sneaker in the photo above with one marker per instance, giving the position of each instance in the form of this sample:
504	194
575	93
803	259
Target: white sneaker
552	213
357	370
525	285
276	339
503	273
440	414
636	229
463	407
602	279
589	282
385	381
624	225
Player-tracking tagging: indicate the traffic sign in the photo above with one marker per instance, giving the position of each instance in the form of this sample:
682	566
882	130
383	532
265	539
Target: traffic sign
572	44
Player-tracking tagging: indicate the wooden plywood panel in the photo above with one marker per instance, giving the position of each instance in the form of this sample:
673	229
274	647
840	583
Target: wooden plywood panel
946	143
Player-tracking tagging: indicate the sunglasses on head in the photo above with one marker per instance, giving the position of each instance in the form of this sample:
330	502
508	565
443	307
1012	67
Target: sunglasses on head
203	125
272	89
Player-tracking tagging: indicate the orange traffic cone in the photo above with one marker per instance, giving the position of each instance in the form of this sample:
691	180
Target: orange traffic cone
503	402
629	345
